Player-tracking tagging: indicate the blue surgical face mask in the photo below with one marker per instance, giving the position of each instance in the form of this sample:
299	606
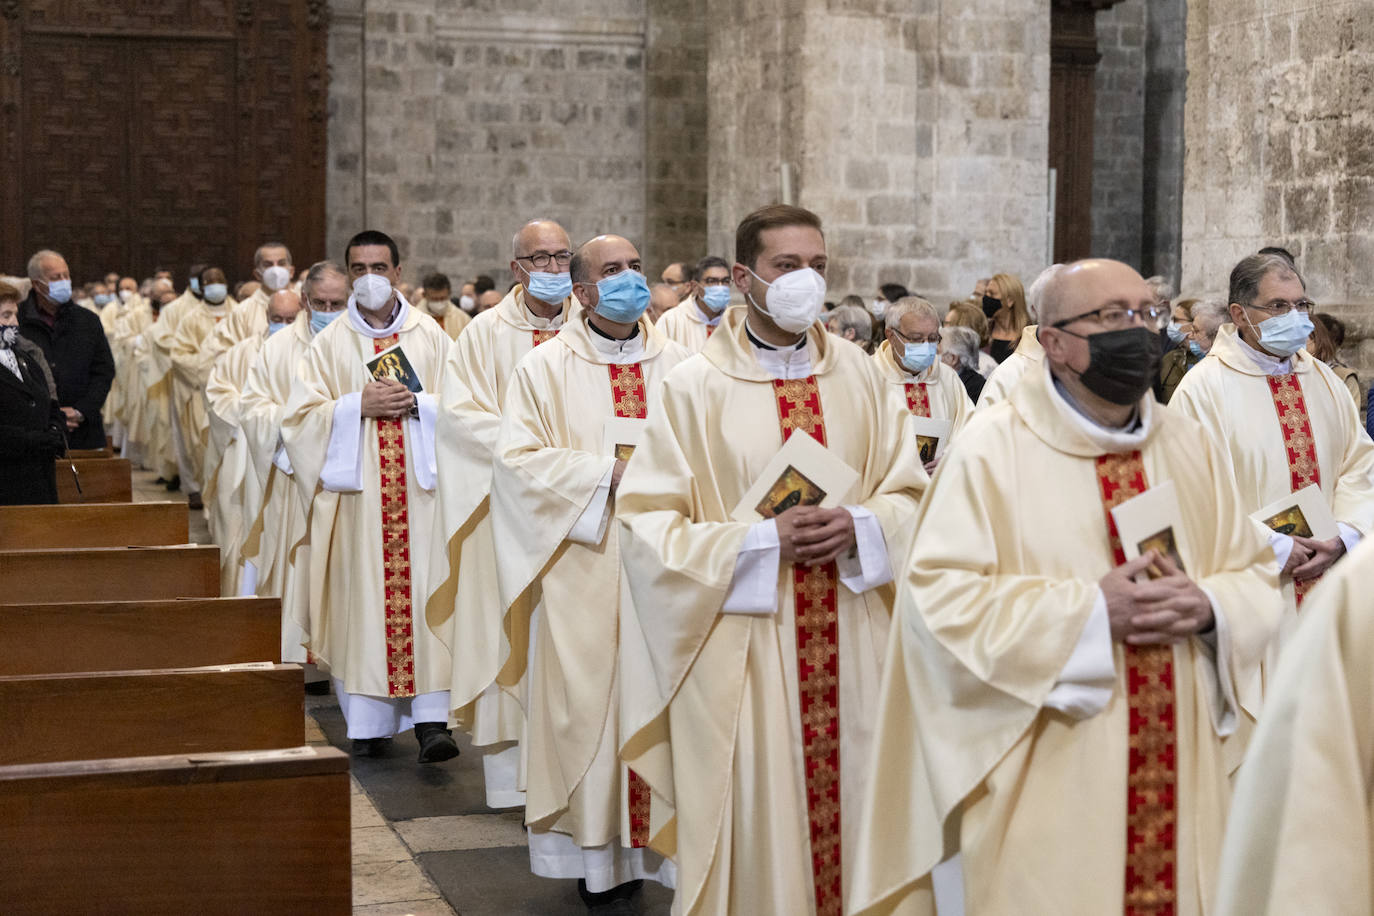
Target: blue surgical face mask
716	297
1176	334
622	297
547	287
215	293
103	298
320	320
195	284
275	326
60	291
919	357
1194	349
1283	335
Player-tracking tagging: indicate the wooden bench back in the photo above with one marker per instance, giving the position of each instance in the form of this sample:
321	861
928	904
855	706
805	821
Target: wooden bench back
94	525
223	833
109	574
129	635
103	480
47	718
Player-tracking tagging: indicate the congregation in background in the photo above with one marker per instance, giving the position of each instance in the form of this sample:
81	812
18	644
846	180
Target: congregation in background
791	602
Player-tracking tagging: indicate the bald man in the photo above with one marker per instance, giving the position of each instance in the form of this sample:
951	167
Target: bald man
464	604
569	422
488	300
1071	706
662	299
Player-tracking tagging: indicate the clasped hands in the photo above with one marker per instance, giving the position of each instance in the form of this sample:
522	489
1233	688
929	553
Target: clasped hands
812	536
1166	609
1311	557
387	399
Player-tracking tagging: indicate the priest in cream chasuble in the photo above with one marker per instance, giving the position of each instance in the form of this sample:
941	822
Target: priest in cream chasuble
751	650
1069	720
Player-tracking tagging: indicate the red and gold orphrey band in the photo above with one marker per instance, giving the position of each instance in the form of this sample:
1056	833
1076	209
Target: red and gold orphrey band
400	619
1152	774
918	399
1299	445
541	336
629	399
818	671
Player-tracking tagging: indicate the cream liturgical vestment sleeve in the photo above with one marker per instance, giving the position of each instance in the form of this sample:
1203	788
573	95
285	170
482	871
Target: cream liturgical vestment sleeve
1004	378
711	702
562	589
132	402
464	607
367	561
232	492
1301	835
936	392
1318	439
191	363
1024	762
245	319
686	325
274	540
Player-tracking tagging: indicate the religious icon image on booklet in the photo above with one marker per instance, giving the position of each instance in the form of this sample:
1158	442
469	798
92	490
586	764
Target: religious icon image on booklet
1291	522
623	451
792	488
927	445
392	364
1164	543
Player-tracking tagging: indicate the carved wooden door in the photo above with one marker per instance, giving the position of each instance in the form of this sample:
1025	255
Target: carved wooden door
141	134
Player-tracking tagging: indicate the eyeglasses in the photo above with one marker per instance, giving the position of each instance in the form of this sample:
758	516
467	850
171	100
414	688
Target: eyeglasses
918	339
712	281
1283	306
1115	318
541	259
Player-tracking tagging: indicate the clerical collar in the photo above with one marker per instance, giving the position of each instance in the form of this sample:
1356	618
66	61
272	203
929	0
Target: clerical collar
629	350
540	322
1111	440
753	339
393	323
712	320
1266	362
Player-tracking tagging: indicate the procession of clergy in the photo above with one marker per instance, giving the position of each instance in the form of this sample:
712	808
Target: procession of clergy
949	688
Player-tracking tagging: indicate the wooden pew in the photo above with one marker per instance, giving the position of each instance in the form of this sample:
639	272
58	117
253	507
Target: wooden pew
125	524
47	718
130	635
109	574
103	480
221	833
106	452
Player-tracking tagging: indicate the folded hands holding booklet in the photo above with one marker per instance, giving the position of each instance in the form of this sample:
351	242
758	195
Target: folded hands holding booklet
802	473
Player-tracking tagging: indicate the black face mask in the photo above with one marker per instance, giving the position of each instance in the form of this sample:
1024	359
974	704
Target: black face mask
991	306
1122	365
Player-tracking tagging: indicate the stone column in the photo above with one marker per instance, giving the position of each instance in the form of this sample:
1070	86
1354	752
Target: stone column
1280	142
917	130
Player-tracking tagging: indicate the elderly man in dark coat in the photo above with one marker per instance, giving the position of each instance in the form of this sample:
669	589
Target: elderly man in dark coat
30	422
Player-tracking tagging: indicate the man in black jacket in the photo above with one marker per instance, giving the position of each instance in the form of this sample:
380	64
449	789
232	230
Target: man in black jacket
30	424
73	342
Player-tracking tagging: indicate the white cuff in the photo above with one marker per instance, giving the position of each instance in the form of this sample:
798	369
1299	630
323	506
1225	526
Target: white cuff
590	526
1282	545
421	436
281	459
1217	645
1085	685
867	565
1349	536
754	587
343	464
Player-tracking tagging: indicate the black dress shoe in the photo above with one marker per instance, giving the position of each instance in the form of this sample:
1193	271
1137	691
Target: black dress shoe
371	747
317	688
174	484
195	502
436	742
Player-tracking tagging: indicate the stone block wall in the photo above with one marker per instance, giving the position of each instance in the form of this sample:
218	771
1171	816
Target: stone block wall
1280	129
917	130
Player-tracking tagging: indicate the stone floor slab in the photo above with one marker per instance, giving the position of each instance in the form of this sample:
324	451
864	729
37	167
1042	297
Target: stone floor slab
390	882
472	831
378	844
432	907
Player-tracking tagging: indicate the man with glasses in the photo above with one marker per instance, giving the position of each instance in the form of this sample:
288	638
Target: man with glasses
681	278
1063	707
464	606
1285	420
692	322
